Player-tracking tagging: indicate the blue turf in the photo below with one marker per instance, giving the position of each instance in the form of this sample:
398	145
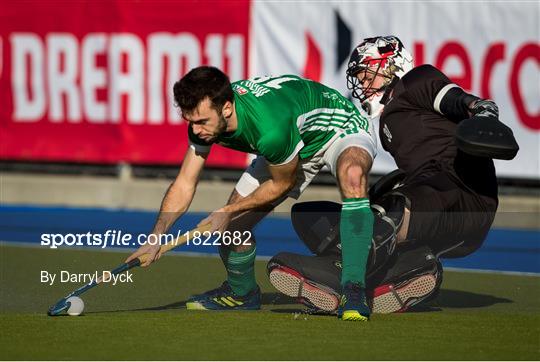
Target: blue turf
504	249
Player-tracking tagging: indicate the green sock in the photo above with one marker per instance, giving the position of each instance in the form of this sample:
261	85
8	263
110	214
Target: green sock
356	229
240	269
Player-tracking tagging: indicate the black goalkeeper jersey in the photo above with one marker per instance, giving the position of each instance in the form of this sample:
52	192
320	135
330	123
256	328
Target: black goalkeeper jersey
421	139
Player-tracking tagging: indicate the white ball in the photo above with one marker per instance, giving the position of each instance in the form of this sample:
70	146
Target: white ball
76	307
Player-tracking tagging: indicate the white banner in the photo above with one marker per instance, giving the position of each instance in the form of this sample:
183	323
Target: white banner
491	49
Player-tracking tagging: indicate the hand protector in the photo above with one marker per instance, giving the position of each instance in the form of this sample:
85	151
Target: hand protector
485	108
483	135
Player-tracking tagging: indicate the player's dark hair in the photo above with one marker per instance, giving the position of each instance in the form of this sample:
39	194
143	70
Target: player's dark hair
202	82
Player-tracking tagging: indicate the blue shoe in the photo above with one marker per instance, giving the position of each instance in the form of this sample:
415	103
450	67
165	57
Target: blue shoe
223	298
353	305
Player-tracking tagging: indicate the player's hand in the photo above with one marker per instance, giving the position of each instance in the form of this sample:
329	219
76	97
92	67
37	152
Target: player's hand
152	251
484	108
219	220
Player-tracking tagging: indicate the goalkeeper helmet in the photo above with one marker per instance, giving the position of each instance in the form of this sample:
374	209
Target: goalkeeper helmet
381	55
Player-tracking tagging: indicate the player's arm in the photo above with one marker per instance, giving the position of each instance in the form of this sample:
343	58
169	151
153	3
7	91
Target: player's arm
429	88
454	102
175	202
479	131
283	177
180	193
282	181
280	147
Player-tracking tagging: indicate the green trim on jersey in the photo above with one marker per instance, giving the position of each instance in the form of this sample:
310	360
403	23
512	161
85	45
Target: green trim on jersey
281	117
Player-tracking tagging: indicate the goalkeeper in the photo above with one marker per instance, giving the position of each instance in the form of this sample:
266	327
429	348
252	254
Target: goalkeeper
441	203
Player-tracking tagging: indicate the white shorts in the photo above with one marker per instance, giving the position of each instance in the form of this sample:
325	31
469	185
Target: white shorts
258	172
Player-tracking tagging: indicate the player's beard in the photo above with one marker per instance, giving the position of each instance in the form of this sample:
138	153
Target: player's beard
221	128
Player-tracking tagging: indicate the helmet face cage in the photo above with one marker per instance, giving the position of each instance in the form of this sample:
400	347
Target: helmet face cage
383	56
363	93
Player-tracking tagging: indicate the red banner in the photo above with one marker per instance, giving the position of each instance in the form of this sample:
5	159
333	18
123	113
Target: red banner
92	81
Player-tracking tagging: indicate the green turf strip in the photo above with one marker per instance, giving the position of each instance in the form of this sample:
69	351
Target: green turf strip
476	316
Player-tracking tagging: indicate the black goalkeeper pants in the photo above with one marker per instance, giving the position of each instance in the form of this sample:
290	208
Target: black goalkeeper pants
447	214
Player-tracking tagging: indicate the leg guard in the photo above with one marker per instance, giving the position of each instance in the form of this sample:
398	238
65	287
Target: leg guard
389	211
314	280
414	276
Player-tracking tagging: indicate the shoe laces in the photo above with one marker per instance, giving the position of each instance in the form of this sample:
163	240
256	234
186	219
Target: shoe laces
222	289
354	293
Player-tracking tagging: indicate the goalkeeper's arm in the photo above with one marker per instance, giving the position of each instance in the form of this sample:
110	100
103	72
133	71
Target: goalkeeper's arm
456	104
479	131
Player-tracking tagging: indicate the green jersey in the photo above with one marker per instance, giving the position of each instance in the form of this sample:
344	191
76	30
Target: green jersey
281	117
